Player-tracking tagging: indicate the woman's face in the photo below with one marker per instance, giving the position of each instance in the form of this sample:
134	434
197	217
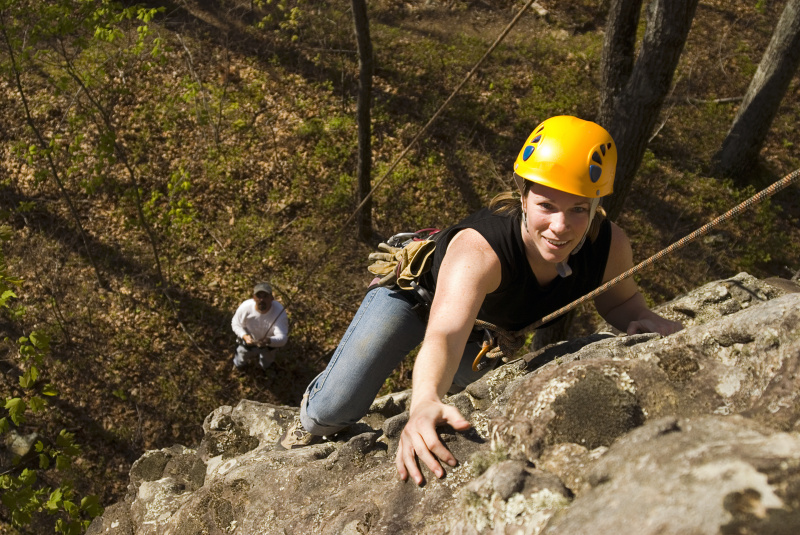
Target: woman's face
556	222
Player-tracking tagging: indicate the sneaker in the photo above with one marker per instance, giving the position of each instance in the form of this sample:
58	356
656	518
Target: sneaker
296	437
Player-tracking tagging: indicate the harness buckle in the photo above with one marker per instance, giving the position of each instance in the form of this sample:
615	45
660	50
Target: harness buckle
423	295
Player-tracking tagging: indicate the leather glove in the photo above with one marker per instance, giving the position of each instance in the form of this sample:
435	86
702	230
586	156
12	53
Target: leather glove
401	266
417	259
384	263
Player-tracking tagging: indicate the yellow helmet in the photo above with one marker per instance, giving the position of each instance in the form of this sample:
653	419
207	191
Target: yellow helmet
569	154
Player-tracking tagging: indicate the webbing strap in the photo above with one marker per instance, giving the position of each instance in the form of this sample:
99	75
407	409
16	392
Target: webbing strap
755	199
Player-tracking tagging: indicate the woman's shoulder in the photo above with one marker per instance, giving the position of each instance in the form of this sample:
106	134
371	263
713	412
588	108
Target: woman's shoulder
620	253
469	251
469	240
618	237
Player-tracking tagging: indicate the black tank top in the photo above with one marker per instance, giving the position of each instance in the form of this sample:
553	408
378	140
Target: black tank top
519	300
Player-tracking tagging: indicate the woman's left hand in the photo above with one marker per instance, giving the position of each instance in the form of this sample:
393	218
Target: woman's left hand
656	324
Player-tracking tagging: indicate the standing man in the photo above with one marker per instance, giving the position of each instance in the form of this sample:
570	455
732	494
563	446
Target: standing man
261	326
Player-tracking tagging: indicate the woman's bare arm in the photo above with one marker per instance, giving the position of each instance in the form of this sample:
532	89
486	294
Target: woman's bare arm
622	305
468	272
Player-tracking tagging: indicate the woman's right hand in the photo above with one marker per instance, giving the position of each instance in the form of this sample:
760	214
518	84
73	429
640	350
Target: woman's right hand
420	440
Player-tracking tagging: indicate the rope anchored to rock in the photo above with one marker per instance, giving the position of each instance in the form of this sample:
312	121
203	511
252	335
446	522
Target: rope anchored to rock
497	349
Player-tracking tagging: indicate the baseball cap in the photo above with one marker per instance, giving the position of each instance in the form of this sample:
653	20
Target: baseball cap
262	287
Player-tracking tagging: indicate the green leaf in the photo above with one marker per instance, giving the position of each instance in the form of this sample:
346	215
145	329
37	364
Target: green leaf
28	477
40	340
37	404
49	390
4	427
5	296
65	439
54	502
16	410
28	379
71	508
44	461
62	462
5	233
72	527
20	517
91	505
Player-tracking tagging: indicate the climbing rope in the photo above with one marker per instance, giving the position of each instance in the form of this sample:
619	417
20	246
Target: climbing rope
514	340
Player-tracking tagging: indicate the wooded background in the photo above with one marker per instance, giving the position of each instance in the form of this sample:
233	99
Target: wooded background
158	159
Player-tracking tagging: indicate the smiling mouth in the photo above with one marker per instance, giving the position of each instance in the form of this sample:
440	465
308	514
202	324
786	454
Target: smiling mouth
556	243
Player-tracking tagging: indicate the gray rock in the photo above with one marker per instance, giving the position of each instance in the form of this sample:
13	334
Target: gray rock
710	474
698	432
116	520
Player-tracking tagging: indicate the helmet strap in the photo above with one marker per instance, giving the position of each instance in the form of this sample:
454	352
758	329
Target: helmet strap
592	211
562	267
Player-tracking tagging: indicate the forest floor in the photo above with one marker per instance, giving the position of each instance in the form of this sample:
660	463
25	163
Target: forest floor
243	140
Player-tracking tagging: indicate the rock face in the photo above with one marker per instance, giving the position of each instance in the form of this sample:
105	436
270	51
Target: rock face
698	432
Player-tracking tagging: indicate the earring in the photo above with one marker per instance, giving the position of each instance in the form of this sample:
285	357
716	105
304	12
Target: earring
524	219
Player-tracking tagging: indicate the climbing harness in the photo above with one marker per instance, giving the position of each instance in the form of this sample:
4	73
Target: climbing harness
404	238
518	337
498	344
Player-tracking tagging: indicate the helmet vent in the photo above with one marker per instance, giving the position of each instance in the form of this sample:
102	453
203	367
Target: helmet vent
603	149
594	172
528	151
596	157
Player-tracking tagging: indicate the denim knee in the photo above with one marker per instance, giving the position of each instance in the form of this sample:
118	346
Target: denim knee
315	426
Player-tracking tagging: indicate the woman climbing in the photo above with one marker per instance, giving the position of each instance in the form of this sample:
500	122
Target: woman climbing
530	253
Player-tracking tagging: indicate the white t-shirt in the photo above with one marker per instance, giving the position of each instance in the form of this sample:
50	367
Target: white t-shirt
271	327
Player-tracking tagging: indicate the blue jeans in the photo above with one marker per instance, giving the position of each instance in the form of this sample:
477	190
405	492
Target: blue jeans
384	330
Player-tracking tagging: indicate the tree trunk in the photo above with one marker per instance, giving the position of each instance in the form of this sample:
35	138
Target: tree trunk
740	149
619	51
634	112
364	216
